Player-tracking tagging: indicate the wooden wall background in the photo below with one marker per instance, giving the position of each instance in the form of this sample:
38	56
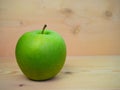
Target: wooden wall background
89	27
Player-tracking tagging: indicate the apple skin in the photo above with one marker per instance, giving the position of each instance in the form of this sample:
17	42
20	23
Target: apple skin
40	56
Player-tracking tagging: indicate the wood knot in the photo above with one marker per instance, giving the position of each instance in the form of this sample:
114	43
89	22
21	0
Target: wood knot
68	72
108	13
21	85
76	29
67	11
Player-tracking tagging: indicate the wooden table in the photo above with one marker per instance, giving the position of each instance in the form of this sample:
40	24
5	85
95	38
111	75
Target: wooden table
78	73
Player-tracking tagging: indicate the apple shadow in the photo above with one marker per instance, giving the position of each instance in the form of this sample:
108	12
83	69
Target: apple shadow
56	78
60	76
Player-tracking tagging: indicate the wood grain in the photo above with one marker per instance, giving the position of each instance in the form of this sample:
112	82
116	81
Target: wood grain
78	73
89	27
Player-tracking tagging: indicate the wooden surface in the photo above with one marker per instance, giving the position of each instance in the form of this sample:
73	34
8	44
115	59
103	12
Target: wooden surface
89	27
78	73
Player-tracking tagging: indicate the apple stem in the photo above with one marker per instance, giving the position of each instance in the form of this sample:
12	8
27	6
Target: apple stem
43	29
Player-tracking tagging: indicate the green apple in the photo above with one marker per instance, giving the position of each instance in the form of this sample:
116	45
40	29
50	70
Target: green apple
40	54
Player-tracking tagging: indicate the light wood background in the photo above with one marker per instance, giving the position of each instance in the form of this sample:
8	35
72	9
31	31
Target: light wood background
78	73
89	27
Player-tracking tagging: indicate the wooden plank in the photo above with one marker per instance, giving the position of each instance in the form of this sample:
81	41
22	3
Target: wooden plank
89	27
79	73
